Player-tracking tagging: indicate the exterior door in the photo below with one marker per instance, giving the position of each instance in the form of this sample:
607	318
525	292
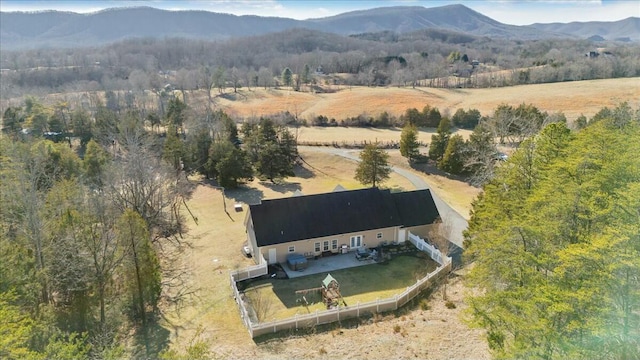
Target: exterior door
402	235
356	241
272	256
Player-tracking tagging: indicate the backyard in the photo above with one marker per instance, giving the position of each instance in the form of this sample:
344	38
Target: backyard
275	299
216	238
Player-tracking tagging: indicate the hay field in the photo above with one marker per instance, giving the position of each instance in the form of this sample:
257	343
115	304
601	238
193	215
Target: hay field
350	135
572	98
216	239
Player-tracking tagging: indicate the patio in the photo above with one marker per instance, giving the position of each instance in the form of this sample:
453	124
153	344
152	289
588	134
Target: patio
327	264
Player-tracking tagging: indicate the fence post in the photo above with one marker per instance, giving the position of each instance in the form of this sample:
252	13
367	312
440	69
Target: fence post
377	305
358	311
296	316
317	319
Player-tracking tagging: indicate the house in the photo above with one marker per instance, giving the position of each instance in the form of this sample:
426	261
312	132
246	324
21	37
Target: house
336	222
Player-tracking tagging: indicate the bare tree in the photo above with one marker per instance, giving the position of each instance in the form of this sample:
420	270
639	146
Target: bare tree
262	304
439	236
265	77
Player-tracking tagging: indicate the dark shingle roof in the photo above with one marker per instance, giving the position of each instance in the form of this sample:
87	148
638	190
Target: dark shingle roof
306	217
416	207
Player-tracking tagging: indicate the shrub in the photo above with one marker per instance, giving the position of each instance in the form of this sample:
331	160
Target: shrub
450	305
396	328
424	304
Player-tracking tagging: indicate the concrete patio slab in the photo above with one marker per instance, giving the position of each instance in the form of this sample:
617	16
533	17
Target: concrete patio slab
328	264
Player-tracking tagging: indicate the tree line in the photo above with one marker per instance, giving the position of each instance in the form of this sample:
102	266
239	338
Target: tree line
91	224
555	243
375	60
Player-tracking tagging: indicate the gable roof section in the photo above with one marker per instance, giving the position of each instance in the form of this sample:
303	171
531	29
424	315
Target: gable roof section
312	216
416	207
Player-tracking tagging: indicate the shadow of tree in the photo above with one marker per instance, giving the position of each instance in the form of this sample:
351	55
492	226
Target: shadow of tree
281	187
430	168
245	194
157	340
303	172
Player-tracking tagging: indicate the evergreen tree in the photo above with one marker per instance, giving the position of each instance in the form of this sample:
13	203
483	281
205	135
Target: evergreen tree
176	116
373	168
409	142
440	140
287	77
94	162
554	240
453	158
12	122
306	74
82	126
228	164
173	149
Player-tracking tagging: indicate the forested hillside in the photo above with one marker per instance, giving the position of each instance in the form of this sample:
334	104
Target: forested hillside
55	29
435	58
555	244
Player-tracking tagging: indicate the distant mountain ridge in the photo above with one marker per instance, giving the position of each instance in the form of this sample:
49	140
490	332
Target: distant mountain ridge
19	30
626	28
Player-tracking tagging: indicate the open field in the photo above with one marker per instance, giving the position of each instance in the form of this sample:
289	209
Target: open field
350	135
216	239
359	284
571	98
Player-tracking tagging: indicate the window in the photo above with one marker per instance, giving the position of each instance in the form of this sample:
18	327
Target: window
292	248
379	235
325	246
317	247
334	244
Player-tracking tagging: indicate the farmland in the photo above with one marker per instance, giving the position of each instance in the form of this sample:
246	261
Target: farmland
571	98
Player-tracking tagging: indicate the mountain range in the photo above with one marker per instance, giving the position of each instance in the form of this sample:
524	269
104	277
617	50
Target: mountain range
47	29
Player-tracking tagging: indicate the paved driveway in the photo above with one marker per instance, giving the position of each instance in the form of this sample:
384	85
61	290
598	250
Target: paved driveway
451	217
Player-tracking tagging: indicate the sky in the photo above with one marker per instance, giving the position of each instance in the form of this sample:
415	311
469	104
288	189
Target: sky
515	12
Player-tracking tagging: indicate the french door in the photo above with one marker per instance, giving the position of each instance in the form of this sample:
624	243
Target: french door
356	241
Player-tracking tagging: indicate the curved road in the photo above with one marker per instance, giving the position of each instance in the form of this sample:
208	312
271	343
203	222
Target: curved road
451	217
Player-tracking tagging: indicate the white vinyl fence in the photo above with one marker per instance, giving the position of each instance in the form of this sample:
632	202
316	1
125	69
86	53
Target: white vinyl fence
251	271
346	312
433	252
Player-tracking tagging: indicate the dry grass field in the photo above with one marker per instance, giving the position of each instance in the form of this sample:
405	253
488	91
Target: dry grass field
216	239
571	98
351	135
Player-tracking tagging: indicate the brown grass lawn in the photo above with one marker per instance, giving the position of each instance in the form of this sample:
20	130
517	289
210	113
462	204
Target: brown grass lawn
359	284
350	135
571	98
216	240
